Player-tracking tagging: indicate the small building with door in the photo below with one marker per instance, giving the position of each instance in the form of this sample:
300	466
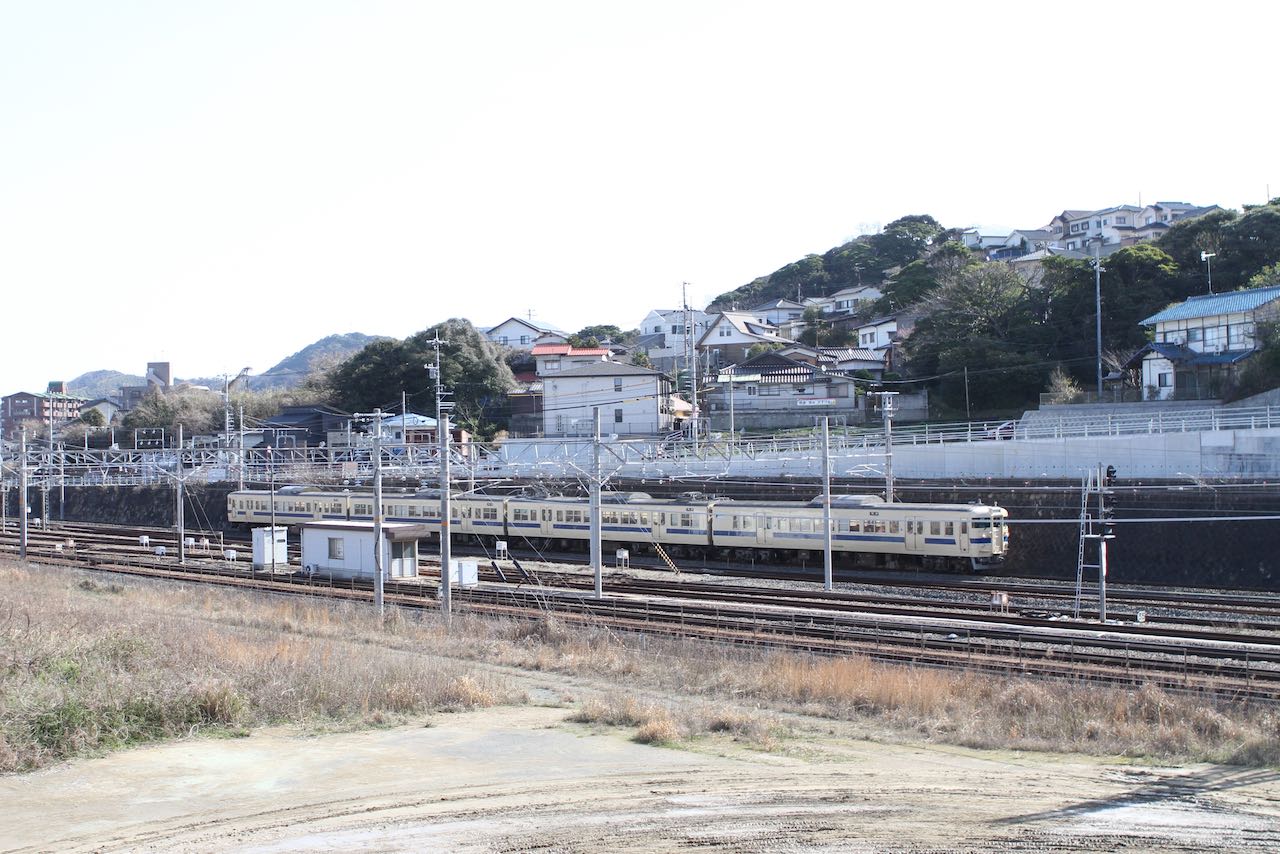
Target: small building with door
346	550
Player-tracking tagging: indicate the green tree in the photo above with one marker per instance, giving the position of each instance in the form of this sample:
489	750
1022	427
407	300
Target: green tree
473	373
905	240
93	418
979	320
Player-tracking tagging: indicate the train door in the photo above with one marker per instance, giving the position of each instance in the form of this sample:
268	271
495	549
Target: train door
915	535
762	530
962	535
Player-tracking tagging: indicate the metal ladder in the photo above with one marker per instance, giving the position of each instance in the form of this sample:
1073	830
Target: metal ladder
1086	533
666	558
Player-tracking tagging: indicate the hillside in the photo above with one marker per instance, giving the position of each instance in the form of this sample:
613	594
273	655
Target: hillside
291	371
865	260
96	384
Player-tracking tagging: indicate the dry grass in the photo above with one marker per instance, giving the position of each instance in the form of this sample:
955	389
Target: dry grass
88	664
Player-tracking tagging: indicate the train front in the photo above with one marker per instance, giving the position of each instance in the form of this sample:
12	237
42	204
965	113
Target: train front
989	537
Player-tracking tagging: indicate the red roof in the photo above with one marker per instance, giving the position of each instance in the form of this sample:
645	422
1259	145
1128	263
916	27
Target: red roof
566	350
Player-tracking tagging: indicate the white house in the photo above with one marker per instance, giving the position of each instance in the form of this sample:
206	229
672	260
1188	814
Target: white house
1200	343
778	312
633	401
346	549
849	300
518	332
732	333
663	335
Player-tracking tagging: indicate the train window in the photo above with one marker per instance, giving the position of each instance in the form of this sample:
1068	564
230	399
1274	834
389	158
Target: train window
949	529
895	528
964	527
335	548
935	528
644	519
855	526
559	515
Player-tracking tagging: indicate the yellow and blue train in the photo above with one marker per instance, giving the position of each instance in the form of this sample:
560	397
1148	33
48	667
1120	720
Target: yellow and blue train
865	530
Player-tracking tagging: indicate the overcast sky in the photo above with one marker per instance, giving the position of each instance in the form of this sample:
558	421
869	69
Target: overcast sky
219	184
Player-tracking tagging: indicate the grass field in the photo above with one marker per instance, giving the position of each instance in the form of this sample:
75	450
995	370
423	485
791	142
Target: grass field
94	662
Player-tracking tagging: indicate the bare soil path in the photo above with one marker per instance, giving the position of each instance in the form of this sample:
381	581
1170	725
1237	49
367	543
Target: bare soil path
523	779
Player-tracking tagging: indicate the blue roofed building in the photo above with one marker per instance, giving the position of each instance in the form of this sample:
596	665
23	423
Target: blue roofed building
1199	344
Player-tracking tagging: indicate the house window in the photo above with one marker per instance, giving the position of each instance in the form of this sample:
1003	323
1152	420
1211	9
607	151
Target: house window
751	391
724	332
1164	380
617	416
1239	335
617	384
1121	220
674	329
551	365
1193	335
502	339
524	339
770	390
1071	244
335	548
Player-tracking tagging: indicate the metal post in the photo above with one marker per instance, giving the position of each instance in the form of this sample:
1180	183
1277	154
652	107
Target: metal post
968	414
240	450
24	508
1102	578
442	427
597	560
178	518
271	474
1097	295
377	513
886	410
826	504
732	434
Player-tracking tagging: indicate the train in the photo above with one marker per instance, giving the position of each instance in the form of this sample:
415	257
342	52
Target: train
866	531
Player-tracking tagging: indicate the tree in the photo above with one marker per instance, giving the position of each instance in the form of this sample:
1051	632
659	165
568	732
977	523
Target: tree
979	320
592	336
905	240
473	373
92	418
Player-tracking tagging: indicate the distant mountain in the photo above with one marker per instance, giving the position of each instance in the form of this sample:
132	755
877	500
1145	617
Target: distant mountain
327	351
96	384
286	374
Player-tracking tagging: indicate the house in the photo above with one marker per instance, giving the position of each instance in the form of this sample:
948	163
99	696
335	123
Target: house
731	334
519	333
838	359
48	408
773	392
341	549
633	401
104	406
304	426
159	377
664	334
554	358
849	300
1200	343
1154	220
778	312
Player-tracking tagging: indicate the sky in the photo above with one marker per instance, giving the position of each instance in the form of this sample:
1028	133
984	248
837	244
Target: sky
220	184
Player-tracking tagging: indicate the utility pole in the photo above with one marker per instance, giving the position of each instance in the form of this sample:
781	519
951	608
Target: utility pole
886	410
826	504
442	437
24	508
691	359
378	602
179	521
597	560
1098	270
240	451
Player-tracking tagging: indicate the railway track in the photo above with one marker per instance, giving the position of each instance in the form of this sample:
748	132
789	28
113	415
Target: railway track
1238	663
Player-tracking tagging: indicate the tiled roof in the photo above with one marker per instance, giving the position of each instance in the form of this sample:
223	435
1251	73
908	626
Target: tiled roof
1207	305
566	350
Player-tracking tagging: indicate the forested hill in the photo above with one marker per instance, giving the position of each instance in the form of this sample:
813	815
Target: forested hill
865	260
326	352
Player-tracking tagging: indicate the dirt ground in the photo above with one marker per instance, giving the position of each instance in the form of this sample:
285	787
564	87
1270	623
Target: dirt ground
524	778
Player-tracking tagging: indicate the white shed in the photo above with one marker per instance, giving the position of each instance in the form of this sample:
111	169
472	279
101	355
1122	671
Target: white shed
346	549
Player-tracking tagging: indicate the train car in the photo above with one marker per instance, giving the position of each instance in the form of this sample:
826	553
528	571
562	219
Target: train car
293	506
868	531
634	520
